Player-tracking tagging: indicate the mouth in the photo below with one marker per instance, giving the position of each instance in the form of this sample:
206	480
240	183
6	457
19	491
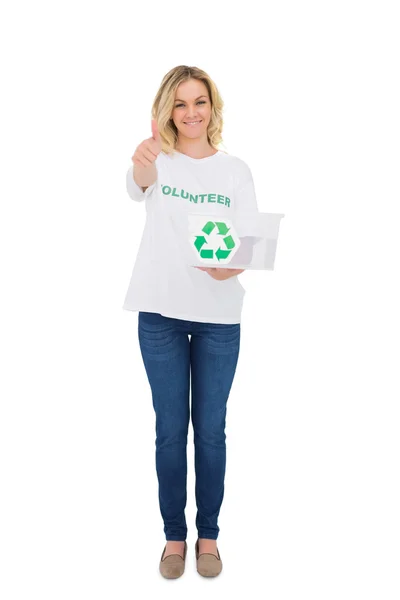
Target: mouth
193	123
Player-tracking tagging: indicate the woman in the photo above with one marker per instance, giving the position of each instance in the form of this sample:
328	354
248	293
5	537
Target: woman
180	170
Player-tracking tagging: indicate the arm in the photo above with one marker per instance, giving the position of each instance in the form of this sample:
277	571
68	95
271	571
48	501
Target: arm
139	190
142	176
145	176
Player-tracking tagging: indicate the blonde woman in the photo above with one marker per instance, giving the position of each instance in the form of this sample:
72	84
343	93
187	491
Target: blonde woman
188	317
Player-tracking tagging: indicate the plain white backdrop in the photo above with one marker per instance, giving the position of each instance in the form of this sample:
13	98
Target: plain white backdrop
311	506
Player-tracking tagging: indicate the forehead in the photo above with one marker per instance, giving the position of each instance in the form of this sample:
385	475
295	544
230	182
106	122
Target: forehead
191	89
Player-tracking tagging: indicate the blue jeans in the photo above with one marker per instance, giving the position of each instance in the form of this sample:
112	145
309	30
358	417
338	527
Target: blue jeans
208	362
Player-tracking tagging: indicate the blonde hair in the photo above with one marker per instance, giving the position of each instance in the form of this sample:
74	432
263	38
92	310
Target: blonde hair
163	106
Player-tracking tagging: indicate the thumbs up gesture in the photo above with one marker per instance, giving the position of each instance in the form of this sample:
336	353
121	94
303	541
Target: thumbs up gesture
147	152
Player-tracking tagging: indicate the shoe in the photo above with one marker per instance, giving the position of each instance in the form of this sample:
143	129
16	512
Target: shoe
173	565
208	564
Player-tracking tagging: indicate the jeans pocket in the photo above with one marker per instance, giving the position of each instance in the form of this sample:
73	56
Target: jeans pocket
157	335
225	339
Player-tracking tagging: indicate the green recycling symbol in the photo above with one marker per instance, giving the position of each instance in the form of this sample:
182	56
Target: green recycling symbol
216	241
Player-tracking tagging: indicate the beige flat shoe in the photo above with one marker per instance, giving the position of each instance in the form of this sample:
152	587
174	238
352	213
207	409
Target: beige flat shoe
173	565
208	564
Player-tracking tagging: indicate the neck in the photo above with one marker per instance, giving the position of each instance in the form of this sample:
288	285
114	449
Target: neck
198	148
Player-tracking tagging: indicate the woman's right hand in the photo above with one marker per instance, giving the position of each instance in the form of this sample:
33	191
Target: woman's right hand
147	152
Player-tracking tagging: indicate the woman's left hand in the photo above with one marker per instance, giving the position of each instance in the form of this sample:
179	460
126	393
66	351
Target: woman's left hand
219	273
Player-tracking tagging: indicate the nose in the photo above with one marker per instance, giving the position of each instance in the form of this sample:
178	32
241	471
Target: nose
192	116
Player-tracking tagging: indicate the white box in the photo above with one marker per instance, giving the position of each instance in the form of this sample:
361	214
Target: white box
247	241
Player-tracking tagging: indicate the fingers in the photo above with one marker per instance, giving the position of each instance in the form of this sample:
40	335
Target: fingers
136	161
153	146
144	155
148	153
140	159
219	273
148	150
213	272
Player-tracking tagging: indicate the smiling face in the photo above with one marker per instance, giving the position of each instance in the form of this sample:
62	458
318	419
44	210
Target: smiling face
192	103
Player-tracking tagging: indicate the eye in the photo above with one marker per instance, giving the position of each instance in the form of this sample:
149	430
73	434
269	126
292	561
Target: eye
199	102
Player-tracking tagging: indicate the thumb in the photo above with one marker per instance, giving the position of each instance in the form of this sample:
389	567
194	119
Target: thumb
155	131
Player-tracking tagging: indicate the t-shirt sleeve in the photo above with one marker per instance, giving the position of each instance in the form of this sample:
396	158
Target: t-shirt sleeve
134	190
245	193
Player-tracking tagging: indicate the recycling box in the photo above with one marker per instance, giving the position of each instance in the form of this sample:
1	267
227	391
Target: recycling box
247	241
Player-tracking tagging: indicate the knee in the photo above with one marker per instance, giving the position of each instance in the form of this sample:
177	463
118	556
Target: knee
210	437
168	436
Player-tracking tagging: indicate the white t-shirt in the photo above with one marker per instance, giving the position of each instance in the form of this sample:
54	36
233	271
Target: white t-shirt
161	280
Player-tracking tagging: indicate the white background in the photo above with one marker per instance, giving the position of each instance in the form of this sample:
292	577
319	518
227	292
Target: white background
311	507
